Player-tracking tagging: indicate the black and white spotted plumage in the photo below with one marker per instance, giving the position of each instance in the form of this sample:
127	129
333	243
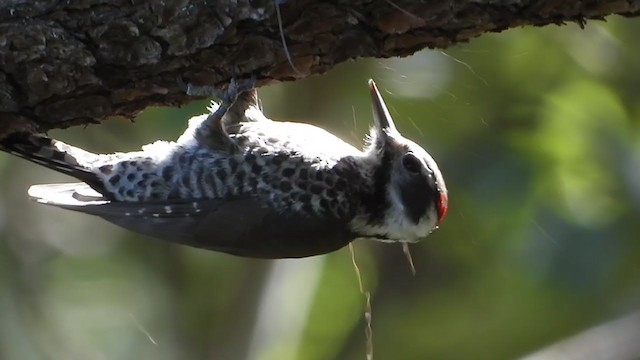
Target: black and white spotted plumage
240	183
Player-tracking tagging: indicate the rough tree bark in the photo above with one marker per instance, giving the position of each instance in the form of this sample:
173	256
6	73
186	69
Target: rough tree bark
78	61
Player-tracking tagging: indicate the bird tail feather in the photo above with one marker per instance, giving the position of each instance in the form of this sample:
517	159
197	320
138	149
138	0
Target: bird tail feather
54	155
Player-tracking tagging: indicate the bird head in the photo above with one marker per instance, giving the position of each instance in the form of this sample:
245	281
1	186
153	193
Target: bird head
411	196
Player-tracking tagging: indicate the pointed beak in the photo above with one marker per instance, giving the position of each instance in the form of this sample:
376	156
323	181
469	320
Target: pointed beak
381	115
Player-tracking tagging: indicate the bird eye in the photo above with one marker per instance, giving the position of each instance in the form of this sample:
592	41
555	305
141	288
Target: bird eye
411	163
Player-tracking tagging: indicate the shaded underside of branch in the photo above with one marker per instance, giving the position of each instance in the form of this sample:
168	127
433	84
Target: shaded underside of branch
64	63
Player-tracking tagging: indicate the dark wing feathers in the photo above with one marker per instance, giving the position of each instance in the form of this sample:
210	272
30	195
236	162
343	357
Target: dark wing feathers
240	226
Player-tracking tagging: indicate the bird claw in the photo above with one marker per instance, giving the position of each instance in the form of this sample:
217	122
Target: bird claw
235	88
228	97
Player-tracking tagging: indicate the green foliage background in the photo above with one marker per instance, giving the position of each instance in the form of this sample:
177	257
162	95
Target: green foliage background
537	133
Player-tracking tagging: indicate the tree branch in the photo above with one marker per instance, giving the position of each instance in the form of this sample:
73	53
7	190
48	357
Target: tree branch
74	62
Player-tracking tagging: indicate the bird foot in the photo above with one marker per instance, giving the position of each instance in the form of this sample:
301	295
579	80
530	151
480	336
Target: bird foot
229	94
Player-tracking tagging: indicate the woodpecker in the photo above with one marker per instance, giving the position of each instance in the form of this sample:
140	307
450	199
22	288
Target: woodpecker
240	183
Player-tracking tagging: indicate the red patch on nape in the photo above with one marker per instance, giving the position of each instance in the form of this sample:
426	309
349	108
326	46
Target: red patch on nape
443	203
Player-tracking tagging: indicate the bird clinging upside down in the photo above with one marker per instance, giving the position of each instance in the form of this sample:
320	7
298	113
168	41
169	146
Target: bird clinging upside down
240	183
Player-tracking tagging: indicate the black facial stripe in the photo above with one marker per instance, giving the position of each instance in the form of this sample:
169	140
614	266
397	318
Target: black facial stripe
417	194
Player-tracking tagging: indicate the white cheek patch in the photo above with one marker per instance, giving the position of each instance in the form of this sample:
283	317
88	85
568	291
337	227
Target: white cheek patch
396	203
400	226
397	226
401	223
